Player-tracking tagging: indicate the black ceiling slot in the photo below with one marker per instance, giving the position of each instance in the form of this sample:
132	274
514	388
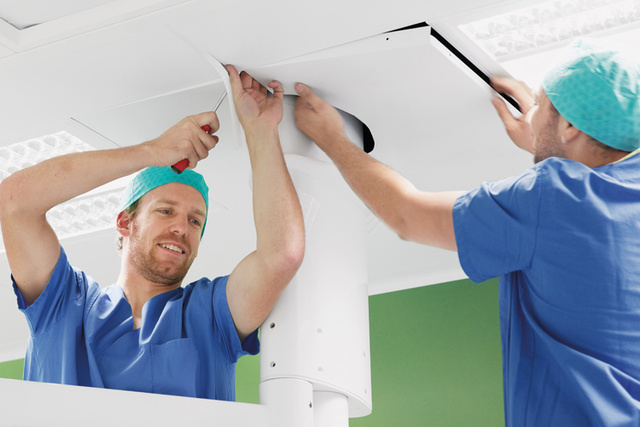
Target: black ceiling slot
466	61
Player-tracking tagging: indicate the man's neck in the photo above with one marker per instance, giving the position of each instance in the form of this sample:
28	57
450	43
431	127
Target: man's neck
138	290
587	152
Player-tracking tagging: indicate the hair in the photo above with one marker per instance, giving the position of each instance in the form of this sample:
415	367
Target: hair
604	149
131	210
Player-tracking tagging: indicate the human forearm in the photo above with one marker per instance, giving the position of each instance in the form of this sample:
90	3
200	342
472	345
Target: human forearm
381	188
277	212
39	188
256	283
412	214
35	190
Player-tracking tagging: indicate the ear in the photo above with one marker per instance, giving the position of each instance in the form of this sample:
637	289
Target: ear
567	130
123	223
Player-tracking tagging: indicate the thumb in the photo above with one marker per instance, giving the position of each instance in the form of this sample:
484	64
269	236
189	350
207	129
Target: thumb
503	112
305	93
308	99
234	79
301	88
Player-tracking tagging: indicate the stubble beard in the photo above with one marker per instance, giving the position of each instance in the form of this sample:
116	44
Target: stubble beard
149	267
548	142
548	151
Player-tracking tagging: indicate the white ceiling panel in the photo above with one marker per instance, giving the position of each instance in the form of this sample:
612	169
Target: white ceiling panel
284	29
139	121
26	13
39	23
5	51
141	57
93	75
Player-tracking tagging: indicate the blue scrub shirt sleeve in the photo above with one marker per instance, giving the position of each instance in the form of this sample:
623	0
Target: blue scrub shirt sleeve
495	226
223	324
65	285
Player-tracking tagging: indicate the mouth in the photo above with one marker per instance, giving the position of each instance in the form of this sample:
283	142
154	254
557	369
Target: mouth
172	248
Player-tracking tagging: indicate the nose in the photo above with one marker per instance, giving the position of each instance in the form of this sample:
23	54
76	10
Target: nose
180	225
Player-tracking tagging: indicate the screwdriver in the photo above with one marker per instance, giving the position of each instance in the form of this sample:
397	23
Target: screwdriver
184	163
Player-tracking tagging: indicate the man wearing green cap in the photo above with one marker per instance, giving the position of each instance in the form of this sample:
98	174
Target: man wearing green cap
563	237
147	332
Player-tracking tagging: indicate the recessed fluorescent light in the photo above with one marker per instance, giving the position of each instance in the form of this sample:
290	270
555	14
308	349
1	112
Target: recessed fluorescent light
27	153
85	214
94	211
524	30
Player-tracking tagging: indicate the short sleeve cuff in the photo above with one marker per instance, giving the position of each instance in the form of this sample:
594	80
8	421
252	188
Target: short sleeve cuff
464	256
223	319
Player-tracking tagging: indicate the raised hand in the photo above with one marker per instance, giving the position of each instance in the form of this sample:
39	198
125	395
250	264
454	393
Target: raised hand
185	140
316	118
254	106
518	128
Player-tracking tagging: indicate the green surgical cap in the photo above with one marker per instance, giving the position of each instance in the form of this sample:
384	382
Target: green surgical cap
597	90
154	177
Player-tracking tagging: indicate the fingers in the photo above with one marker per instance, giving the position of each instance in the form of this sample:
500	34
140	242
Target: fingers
234	79
278	90
202	147
208	118
303	91
202	141
244	81
504	113
307	98
316	118
518	129
515	89
249	82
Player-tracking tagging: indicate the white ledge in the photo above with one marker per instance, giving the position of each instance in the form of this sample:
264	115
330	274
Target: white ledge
27	403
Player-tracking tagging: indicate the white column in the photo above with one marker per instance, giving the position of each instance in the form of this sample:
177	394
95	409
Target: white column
319	330
289	402
330	409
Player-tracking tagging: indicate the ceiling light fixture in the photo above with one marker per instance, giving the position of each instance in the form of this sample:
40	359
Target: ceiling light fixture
88	213
28	153
509	34
85	214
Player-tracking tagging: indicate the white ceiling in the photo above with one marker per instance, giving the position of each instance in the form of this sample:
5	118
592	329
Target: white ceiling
119	72
27	13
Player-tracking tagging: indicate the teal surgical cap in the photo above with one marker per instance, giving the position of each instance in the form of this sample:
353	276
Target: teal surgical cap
597	90
154	177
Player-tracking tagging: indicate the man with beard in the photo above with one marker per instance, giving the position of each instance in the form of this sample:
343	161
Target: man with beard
562	237
147	332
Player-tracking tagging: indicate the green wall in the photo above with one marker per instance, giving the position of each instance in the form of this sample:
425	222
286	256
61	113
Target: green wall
12	370
435	355
435	358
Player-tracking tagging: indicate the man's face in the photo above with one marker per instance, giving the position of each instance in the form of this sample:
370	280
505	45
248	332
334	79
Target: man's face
165	232
544	125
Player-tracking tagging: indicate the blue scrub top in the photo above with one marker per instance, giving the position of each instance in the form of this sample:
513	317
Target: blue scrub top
83	335
564	240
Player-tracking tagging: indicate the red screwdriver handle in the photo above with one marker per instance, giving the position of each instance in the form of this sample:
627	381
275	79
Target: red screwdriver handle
180	166
184	163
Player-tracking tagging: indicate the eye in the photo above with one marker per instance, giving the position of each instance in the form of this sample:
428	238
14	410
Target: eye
195	222
164	211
